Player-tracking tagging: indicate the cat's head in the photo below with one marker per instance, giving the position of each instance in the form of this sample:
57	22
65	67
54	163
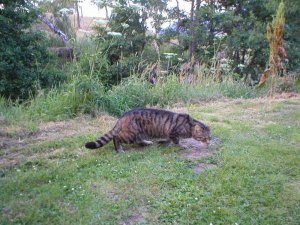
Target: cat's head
201	132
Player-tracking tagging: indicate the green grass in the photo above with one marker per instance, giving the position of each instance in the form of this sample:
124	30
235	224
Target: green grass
256	180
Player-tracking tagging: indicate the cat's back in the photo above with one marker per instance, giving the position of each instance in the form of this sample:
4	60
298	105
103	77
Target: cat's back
153	122
147	114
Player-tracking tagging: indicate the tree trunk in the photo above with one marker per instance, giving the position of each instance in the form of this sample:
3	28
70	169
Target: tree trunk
77	12
180	49
106	12
196	24
191	42
54	28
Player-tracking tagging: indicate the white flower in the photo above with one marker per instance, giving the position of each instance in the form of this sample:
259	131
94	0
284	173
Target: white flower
136	6
125	25
84	31
115	34
99	1
66	11
115	4
221	35
101	22
169	55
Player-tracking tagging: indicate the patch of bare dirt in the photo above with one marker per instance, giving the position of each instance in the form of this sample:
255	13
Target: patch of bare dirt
203	166
54	130
46	155
194	149
11	148
9	161
195	154
6	211
136	217
7	157
287	95
8	142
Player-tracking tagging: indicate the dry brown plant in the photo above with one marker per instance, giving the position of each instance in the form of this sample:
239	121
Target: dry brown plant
277	50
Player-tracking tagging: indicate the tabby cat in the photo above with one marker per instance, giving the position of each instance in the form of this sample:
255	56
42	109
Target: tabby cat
137	125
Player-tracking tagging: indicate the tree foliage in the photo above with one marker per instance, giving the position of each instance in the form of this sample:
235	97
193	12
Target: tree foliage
236	30
24	61
218	35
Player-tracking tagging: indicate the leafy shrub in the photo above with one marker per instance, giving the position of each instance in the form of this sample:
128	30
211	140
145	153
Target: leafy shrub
25	65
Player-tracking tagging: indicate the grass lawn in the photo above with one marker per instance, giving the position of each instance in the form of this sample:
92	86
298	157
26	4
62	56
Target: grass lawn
252	175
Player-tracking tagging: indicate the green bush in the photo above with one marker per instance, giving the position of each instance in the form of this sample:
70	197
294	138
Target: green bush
25	65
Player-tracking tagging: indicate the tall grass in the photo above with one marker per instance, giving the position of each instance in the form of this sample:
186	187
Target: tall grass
84	94
137	92
56	104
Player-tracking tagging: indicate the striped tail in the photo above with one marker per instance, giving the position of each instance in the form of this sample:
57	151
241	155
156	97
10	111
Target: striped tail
103	140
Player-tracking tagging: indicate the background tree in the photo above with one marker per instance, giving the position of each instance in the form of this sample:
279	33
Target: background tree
59	11
121	43
155	10
105	4
24	60
178	29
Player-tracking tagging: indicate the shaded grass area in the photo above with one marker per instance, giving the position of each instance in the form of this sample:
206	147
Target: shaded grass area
256	180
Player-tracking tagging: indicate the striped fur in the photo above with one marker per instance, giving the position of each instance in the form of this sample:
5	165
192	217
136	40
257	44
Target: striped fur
138	125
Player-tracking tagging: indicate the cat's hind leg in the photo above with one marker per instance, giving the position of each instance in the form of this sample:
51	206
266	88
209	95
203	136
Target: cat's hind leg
117	144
